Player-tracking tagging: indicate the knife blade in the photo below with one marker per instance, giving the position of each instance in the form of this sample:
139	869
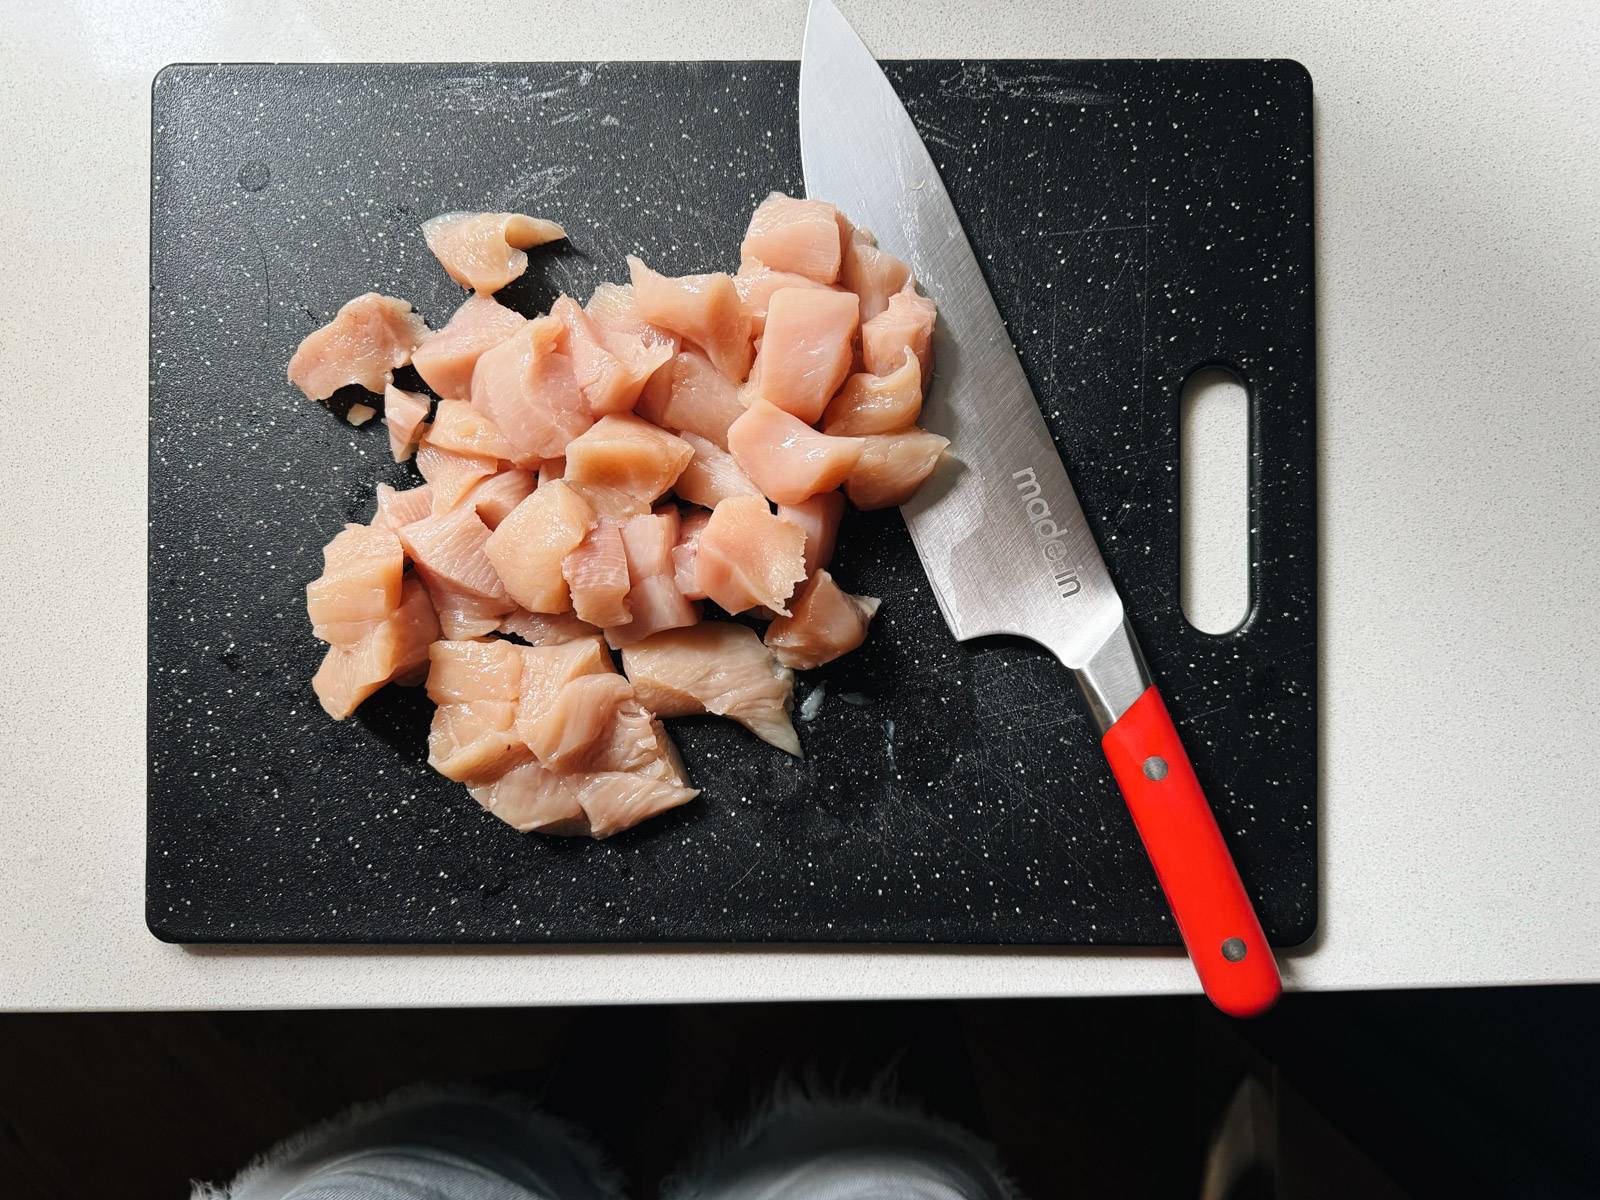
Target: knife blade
998	527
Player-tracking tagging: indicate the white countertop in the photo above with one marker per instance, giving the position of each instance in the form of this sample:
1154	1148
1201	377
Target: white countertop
1458	177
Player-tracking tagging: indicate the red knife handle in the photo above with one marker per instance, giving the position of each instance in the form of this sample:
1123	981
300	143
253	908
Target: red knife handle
1209	903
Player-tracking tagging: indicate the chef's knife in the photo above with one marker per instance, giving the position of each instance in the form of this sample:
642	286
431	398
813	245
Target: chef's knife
998	526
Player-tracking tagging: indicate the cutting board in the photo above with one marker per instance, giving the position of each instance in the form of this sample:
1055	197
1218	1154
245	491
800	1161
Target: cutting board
1137	220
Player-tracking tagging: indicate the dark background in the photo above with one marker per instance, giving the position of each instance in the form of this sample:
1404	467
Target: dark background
1138	219
1471	1093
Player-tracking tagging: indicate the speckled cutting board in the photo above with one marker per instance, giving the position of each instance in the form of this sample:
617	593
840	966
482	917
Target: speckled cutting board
1138	219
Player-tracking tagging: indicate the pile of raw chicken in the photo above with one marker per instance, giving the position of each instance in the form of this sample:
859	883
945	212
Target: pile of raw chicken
591	477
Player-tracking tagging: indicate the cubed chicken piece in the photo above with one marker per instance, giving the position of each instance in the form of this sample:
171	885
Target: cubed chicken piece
406	415
627	454
494	498
613	308
396	648
486	251
397	508
786	458
546	629
534	799
687	552
719	668
474	741
872	274
749	557
907	323
548	669
597	576
653	596
827	622
526	385
614	801
462	429
360	414
445	360
460	672
692	396
703	309
712	474
806	350
612	504
451	477
801	236
581	715
528	547
611	368
819	517
892	467
448	550
365	342
756	282
877	403
359	585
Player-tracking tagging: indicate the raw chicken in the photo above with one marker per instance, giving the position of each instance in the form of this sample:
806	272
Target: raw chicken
611	367
548	669
462	429
906	322
582	714
597	576
475	740
613	309
819	517
366	340
449	552
445	359
527	387
401	508
395	649
786	458
551	468
704	309
494	498
528	547
405	413
629	455
749	557
870	273
617	800
712	474
614	504
359	585
892	467
546	629
756	282
653	596
806	350
877	403
719	668
827	622
460	672
531	798
360	414
800	236
692	396
486	251
451	477
687	551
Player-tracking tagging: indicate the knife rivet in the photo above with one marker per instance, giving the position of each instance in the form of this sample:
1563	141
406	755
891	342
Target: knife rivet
1234	950
1155	767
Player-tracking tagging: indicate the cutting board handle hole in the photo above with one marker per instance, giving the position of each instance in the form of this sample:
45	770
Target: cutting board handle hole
1214	585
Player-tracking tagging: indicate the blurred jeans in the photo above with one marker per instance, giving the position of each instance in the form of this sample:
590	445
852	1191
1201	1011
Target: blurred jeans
464	1146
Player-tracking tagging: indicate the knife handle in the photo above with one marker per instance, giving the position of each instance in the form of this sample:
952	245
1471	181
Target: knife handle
1209	903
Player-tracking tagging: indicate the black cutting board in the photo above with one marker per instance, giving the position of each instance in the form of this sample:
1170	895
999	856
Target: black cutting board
1137	219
